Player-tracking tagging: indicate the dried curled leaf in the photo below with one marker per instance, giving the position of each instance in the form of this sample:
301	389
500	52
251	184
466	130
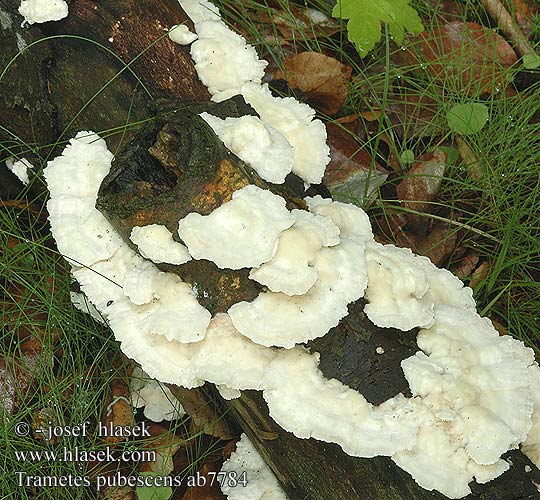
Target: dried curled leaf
466	55
421	185
323	80
202	413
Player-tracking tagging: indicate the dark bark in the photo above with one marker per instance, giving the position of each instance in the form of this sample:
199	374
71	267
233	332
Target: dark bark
50	95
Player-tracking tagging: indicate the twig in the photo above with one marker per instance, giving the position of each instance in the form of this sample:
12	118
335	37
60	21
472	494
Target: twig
508	26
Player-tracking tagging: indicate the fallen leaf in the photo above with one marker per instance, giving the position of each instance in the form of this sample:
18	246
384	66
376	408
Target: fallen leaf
475	166
115	493
524	12
17	377
166	444
153	492
323	80
202	414
466	265
479	275
349	171
421	185
210	490
118	411
499	327
466	55
41	420
439	244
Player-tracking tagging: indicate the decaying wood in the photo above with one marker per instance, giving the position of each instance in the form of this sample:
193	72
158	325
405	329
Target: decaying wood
201	179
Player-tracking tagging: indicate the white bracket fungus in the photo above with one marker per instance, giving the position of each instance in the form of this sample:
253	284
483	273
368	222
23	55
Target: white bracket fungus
243	232
20	169
258	144
223	60
291	270
155	242
403	288
200	10
531	446
182	35
476	388
295	121
352	221
466	383
228	66
277	319
175	314
261	482
42	11
157	399
475	394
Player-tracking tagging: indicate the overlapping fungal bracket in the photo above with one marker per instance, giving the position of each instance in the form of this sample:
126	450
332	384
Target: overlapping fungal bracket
473	391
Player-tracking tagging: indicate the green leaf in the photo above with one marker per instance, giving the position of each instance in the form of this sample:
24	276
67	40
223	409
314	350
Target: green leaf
531	61
153	492
365	18
407	156
467	118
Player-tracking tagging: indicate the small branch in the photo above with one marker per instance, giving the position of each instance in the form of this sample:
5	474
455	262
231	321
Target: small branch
508	26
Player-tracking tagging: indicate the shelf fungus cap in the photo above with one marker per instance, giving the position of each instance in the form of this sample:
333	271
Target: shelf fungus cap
227	358
277	319
261	482
258	144
43	11
73	179
176	313
223	60
157	399
398	290
291	270
476	388
155	242
352	221
296	122
243	232
312	406
200	10
404	288
182	35
531	446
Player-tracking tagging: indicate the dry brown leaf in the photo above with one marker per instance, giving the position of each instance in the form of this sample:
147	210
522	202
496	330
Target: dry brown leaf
323	80
209	491
523	12
439	244
203	416
468	55
17	378
499	327
466	265
421	185
166	444
349	171
480	274
115	493
118	411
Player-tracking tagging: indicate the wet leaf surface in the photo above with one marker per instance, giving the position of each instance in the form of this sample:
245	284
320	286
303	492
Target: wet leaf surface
350	172
203	414
323	80
465	55
421	185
